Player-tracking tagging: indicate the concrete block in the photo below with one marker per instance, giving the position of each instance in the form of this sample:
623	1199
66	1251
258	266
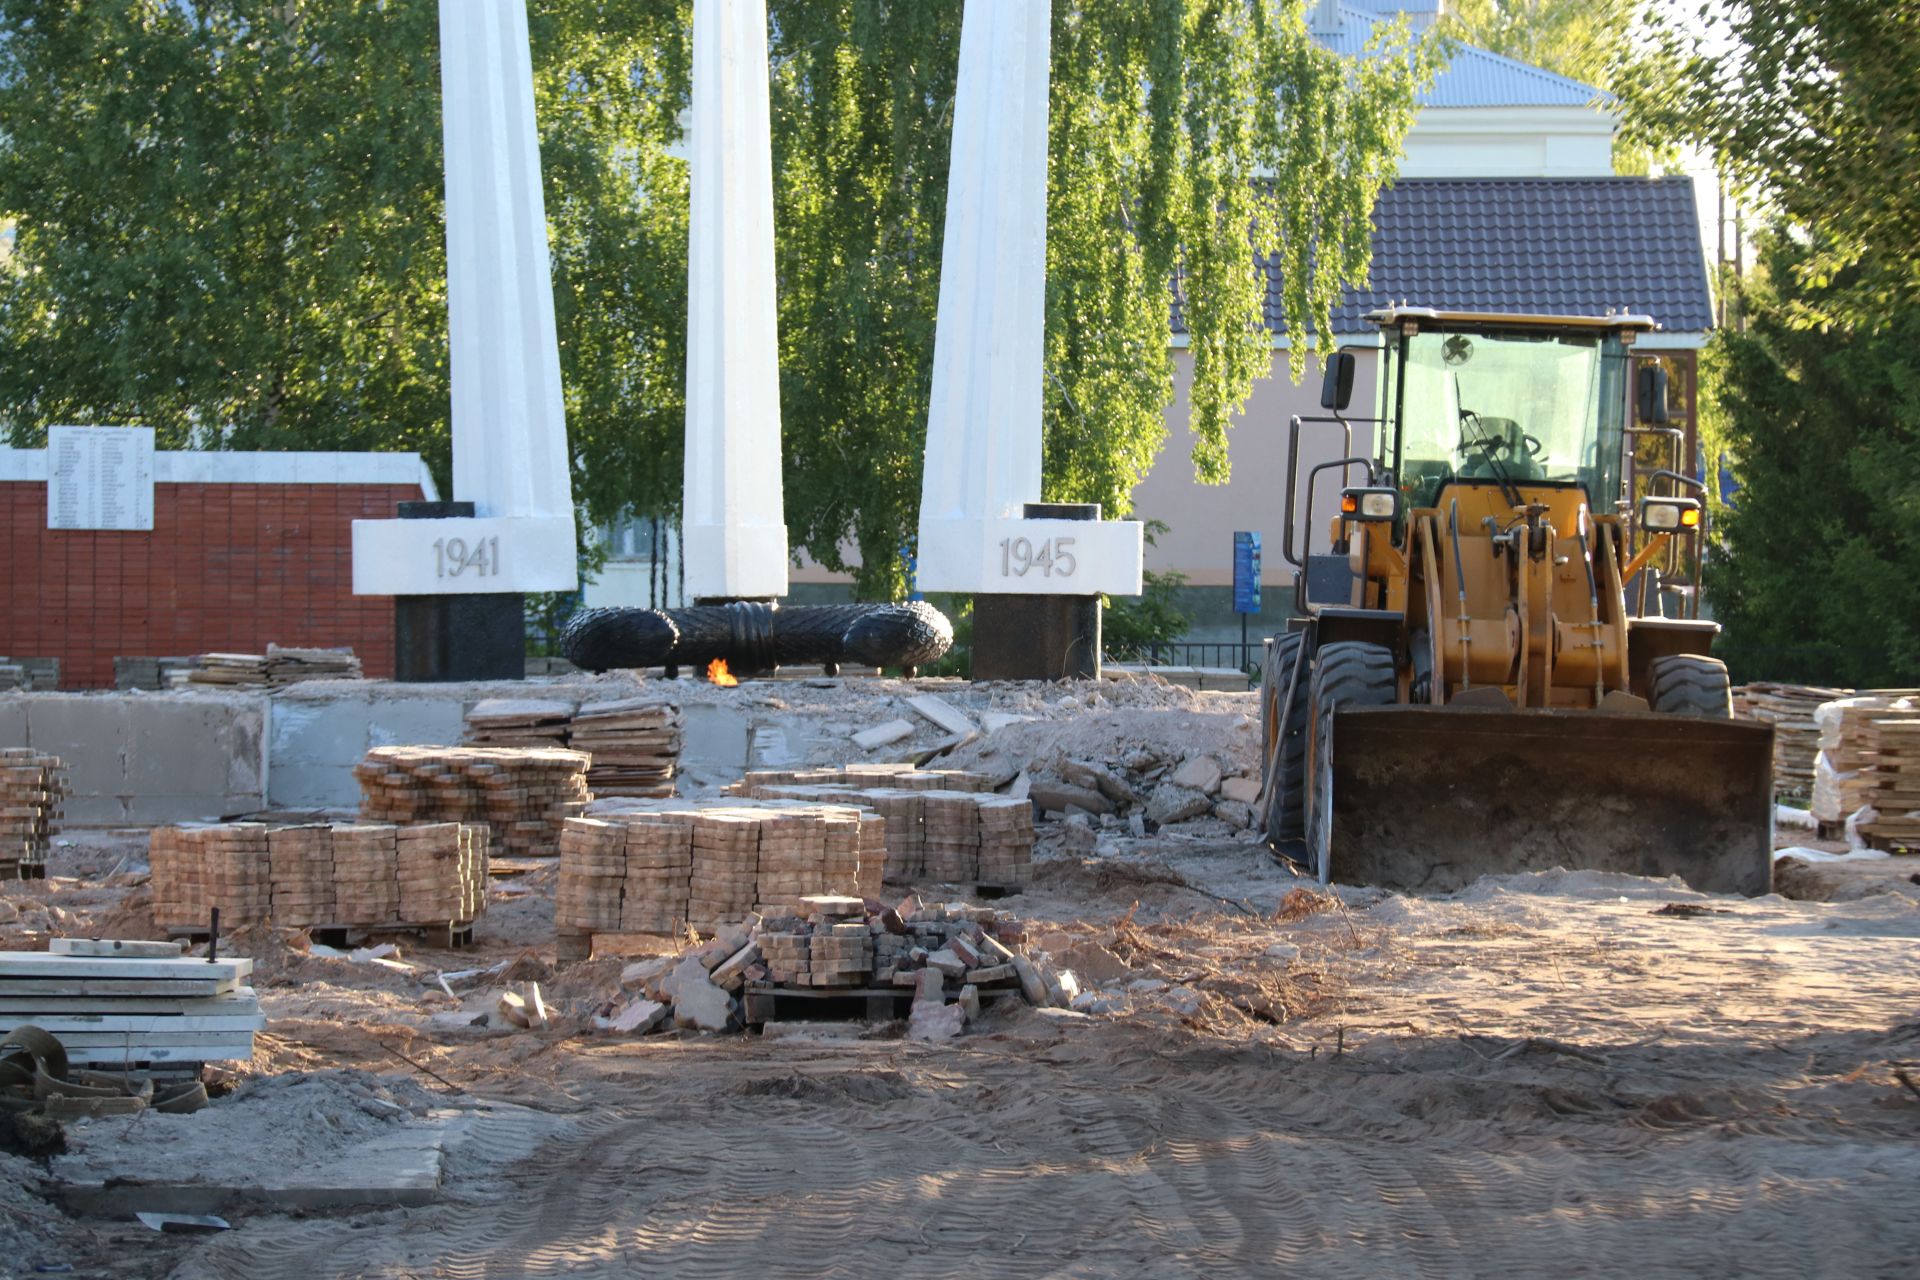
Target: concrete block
402	722
13	723
318	731
90	735
715	742
196	747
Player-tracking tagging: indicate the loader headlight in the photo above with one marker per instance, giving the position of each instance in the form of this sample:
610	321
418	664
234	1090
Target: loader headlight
1669	515
1370	504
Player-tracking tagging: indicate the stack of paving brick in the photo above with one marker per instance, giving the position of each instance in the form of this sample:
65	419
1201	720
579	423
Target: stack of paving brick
32	787
898	777
518	722
689	865
1006	842
361	875
301	876
593	874
441	871
287	666
523	795
196	869
1843	770
365	858
969	836
840	948
1790	709
1894	744
654	896
635	745
230	670
726	867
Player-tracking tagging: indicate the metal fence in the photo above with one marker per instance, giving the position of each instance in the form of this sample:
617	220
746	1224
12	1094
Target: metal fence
1200	653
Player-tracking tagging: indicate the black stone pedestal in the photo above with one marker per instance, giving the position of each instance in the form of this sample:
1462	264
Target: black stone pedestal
1022	637
478	636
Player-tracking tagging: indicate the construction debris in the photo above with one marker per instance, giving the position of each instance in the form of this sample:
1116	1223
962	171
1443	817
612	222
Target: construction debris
343	875
32	787
287	666
949	959
124	1003
523	795
635	745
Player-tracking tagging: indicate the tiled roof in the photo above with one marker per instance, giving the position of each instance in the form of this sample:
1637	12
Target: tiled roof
1474	77
1547	246
1538	246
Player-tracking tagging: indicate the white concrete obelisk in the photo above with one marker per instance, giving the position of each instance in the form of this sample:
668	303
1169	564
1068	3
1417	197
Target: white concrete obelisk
983	460
733	519
509	420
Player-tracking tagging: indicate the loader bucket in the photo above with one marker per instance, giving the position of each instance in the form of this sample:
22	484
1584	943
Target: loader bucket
1431	798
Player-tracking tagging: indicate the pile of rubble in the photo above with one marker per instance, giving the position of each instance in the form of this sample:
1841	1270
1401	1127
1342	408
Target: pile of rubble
948	959
522	795
1143	792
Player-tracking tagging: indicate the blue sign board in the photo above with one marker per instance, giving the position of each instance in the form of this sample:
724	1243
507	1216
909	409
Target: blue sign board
1246	572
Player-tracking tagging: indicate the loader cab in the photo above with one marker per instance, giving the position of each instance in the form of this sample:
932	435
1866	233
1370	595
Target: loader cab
1504	401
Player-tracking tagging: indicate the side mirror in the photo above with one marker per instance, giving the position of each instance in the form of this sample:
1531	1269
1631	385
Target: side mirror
1650	394
1336	390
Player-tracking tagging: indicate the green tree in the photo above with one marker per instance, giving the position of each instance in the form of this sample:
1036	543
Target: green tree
1818	572
1163	119
1810	107
229	228
229	225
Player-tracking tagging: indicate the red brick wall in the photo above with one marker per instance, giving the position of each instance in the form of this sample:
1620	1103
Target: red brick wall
228	567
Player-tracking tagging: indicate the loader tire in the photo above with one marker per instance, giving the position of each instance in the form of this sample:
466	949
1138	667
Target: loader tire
1284	687
1687	685
1348	673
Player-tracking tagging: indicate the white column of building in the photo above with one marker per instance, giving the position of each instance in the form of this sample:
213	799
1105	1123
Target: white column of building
983	459
734	526
509	419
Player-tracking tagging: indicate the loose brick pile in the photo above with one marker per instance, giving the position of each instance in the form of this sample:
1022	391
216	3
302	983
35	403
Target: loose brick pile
951	837
665	868
356	875
32	786
522	795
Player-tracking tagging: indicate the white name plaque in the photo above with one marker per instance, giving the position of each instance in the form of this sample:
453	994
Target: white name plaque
100	478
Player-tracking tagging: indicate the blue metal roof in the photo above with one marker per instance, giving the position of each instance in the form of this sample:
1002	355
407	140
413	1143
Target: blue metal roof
1474	77
1534	246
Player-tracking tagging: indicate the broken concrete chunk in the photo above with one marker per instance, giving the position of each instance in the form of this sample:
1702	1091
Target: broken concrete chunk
1184	1001
1062	796
638	1017
1093	963
1200	773
969	1002
995	721
1241	790
1234	814
946	962
929	987
1098	1002
883	735
1068	986
944	714
699	1004
1284	951
1172	803
536	1007
731	975
1032	986
1137	824
514	1009
1021	789
935	1022
990	974
1078	837
637	975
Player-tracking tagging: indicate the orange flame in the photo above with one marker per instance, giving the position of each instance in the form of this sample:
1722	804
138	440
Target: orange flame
718	673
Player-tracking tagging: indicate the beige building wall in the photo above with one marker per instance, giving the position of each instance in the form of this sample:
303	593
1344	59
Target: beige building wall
1204	518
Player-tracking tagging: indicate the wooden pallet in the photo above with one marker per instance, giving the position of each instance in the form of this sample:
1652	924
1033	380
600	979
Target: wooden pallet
764	1002
988	892
457	934
23	871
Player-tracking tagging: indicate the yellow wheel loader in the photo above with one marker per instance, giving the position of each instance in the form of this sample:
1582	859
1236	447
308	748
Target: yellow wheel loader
1474	682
